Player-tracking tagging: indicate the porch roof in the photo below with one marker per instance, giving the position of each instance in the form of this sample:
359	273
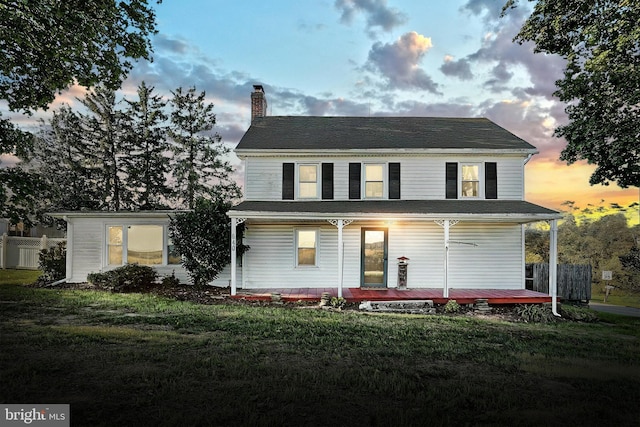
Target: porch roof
469	210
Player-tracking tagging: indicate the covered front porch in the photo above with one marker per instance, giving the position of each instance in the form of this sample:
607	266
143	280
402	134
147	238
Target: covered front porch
462	296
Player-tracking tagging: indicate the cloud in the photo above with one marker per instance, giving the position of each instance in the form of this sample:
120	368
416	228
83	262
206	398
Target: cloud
377	13
460	69
398	62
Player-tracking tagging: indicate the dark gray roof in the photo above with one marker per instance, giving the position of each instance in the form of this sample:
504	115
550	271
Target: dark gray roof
349	133
422	207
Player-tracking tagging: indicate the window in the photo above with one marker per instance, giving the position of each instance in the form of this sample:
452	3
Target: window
470	180
373	181
308	181
114	245
144	244
306	242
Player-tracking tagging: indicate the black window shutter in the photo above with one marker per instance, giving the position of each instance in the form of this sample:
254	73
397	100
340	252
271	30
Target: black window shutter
452	181
327	181
394	180
354	180
288	171
490	180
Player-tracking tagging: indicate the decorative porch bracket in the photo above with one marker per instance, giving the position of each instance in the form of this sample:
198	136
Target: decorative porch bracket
234	223
340	224
446	224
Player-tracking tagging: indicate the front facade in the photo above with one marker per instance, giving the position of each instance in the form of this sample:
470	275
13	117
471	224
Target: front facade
336	201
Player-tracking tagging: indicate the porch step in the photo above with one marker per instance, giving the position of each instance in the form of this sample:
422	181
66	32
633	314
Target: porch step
404	306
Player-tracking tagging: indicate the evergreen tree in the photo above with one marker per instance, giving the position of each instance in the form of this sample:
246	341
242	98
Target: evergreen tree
60	161
145	141
198	166
103	147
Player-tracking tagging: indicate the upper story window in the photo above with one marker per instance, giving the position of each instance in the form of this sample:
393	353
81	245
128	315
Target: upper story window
373	181
470	182
308	181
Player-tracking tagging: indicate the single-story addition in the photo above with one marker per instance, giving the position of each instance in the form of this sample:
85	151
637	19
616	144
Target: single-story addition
334	202
99	241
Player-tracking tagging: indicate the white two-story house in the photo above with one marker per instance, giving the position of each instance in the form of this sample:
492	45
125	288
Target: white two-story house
333	202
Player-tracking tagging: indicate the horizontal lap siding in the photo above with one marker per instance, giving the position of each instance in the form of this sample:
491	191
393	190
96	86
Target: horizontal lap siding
510	178
88	245
496	263
269	263
263	178
422	177
422	243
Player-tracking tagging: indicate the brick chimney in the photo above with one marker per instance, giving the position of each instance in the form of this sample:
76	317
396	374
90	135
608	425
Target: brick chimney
258	103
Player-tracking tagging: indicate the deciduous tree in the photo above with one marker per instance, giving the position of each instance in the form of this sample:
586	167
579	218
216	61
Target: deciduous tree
601	85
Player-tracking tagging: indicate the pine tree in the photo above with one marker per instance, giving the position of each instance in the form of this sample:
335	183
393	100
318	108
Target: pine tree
60	161
145	140
198	166
103	140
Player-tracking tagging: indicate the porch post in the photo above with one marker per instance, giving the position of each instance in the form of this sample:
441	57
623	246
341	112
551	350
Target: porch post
233	256
445	289
553	266
340	225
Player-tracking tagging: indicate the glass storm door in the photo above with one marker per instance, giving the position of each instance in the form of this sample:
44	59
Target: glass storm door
374	258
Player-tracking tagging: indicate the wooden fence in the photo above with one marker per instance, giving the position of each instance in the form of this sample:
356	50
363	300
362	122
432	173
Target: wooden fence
22	252
574	281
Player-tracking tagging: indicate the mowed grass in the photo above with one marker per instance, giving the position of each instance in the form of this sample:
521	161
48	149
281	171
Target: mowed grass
616	297
138	359
19	277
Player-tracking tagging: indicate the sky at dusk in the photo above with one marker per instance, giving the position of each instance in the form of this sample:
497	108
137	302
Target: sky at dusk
369	58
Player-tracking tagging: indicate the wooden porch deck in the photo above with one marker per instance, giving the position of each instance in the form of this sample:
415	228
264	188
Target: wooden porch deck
462	296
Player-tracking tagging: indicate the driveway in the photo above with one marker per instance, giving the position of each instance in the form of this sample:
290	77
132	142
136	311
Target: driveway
615	309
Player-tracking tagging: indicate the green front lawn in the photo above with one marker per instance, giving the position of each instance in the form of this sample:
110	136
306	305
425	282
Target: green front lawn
140	359
18	277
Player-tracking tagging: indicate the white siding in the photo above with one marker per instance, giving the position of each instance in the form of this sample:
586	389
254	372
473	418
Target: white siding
270	262
422	177
89	246
495	263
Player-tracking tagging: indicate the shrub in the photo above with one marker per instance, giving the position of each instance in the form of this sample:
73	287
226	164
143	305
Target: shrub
53	263
580	314
128	278
535	313
452	306
170	281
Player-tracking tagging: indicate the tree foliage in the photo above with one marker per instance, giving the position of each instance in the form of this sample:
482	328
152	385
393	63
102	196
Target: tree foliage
606	243
203	239
198	164
48	45
145	141
601	85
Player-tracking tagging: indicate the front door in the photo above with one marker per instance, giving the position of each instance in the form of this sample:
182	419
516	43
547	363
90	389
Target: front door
374	258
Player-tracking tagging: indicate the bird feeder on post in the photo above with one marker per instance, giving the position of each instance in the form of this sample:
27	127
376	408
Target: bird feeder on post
402	272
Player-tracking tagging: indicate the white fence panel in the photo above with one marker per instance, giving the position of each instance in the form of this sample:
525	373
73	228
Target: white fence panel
23	252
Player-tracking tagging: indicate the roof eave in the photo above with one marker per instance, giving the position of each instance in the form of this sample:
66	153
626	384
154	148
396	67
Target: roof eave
369	216
288	152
